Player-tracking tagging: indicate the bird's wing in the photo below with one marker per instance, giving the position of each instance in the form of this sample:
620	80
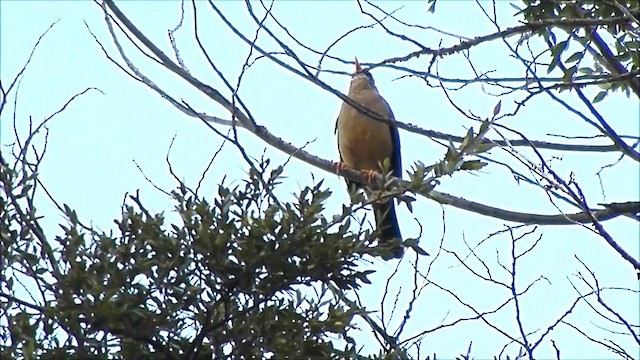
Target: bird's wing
394	157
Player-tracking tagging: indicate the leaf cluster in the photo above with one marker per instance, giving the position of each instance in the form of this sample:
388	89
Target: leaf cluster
243	275
596	56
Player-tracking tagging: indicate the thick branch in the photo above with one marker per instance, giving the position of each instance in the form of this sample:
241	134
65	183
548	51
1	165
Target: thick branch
610	212
604	125
606	57
612	64
530	26
519	142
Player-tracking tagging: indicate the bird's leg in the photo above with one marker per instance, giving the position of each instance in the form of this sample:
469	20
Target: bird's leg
369	174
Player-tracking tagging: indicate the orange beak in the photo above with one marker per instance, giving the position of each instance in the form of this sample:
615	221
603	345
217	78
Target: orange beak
358	68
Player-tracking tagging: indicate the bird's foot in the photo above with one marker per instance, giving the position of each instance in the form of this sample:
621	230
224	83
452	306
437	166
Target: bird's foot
339	166
370	175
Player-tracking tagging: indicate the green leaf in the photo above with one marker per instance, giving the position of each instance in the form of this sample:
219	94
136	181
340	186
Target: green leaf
568	74
632	44
413	244
484	147
452	152
585	70
410	242
556	53
601	95
432	8
552	65
472	165
624	56
496	109
581	39
408	200
575	57
467	138
484	126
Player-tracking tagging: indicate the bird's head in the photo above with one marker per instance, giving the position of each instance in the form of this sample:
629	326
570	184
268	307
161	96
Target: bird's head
362	78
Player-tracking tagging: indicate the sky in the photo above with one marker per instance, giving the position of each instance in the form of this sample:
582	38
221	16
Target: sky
97	144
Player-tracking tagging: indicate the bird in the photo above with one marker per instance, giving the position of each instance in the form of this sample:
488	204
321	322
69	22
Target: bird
364	143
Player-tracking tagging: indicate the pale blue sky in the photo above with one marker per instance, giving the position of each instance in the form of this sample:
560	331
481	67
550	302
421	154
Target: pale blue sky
92	145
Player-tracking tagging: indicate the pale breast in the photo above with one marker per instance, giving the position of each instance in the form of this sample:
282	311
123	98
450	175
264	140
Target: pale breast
362	141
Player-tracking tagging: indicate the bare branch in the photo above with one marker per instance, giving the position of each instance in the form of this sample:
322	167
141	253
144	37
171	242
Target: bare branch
268	137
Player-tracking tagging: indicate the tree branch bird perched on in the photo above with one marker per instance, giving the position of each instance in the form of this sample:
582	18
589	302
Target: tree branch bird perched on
364	143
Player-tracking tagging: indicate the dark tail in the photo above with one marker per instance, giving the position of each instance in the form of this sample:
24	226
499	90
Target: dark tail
387	223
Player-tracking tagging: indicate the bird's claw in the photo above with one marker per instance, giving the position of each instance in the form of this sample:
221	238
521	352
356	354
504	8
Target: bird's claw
339	167
370	175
